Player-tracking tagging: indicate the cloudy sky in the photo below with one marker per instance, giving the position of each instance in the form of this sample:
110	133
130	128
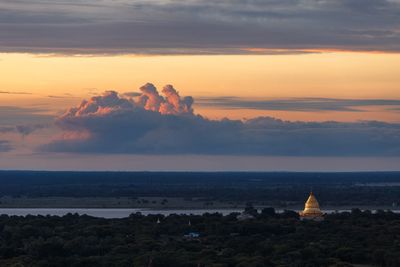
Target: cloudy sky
200	85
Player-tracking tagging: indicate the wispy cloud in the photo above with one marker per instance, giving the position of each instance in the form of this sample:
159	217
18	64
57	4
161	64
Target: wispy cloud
61	96
199	26
15	93
296	104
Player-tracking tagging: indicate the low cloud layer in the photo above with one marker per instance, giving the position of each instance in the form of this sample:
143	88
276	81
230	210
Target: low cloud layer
154	123
23	130
199	26
14	115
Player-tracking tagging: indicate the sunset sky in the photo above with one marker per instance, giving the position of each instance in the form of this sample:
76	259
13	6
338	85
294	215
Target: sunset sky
255	85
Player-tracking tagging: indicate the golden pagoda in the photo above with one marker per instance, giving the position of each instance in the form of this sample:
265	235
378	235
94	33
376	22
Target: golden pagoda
311	210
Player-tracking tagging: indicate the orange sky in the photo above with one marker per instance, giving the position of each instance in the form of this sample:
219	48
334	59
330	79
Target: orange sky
330	75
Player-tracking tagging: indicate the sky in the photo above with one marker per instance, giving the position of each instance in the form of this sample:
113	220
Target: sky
299	85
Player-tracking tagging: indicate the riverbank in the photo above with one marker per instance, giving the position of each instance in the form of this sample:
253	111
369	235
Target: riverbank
120	213
159	203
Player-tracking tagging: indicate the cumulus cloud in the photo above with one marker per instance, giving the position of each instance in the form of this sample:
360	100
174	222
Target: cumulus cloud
149	99
154	123
172	103
199	26
107	103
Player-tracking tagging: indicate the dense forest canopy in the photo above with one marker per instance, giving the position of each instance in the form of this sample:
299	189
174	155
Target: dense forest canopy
269	239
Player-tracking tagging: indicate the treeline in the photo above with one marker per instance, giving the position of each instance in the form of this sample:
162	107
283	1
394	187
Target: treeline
277	195
333	188
269	239
193	178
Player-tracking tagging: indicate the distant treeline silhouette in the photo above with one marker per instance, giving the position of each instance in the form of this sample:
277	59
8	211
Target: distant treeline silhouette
281	187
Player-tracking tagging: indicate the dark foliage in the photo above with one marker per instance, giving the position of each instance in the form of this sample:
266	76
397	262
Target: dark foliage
271	239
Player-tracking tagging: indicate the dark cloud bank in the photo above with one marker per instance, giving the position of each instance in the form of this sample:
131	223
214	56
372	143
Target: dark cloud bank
199	26
150	123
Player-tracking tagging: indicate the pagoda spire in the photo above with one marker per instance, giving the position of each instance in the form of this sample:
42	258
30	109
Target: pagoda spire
311	210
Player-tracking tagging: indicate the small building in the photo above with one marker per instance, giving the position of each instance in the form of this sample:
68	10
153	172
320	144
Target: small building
311	210
244	216
192	235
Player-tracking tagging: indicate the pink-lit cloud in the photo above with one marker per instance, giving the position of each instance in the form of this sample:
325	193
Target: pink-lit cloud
154	123
148	99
